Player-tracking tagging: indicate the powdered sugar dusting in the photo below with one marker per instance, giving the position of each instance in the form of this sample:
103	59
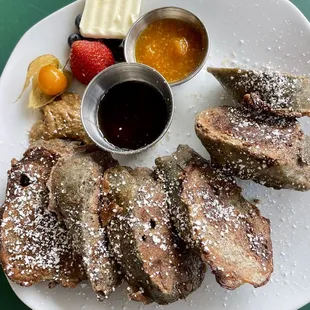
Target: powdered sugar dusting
212	216
36	244
143	242
274	87
262	128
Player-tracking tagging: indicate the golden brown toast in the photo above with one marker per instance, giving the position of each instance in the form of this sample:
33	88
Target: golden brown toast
35	246
212	217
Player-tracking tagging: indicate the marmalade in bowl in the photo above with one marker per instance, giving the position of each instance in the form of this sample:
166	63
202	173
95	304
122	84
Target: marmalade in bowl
172	47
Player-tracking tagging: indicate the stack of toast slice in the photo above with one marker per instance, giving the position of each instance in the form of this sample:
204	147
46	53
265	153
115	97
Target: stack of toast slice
156	266
211	215
72	212
261	140
76	196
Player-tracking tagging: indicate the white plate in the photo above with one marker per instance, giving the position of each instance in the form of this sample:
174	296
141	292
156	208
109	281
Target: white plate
242	31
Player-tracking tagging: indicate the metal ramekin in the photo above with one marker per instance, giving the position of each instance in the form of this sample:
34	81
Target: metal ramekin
166	13
104	81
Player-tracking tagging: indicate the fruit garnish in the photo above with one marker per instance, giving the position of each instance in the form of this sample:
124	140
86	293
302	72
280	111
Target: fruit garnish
35	67
88	58
52	80
112	43
78	21
74	37
118	54
38	98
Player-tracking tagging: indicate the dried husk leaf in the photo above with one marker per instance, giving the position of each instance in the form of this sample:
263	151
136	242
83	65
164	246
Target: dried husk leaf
37	98
68	75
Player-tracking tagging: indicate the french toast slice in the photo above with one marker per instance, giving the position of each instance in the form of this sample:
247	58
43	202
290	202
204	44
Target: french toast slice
61	119
157	267
35	246
76	195
211	216
281	94
269	150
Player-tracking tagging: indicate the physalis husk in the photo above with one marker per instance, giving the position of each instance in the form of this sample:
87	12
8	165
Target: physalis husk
37	98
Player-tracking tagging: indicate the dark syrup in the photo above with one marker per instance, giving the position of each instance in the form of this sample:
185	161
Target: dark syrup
132	115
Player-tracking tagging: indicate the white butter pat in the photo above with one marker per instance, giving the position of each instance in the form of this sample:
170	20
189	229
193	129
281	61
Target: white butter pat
109	19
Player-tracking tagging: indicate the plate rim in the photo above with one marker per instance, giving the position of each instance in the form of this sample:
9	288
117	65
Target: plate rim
5	72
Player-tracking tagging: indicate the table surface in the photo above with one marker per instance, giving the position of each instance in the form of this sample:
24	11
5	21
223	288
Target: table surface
16	17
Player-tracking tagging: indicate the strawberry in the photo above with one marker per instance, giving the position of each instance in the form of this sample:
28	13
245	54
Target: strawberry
88	58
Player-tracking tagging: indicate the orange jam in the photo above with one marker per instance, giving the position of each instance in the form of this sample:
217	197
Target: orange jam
172	47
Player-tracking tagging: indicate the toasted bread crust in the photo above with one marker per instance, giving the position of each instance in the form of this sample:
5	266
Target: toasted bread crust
269	150
282	94
35	246
211	215
60	120
143	242
75	194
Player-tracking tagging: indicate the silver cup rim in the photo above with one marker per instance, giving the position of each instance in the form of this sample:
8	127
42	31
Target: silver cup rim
119	151
203	28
